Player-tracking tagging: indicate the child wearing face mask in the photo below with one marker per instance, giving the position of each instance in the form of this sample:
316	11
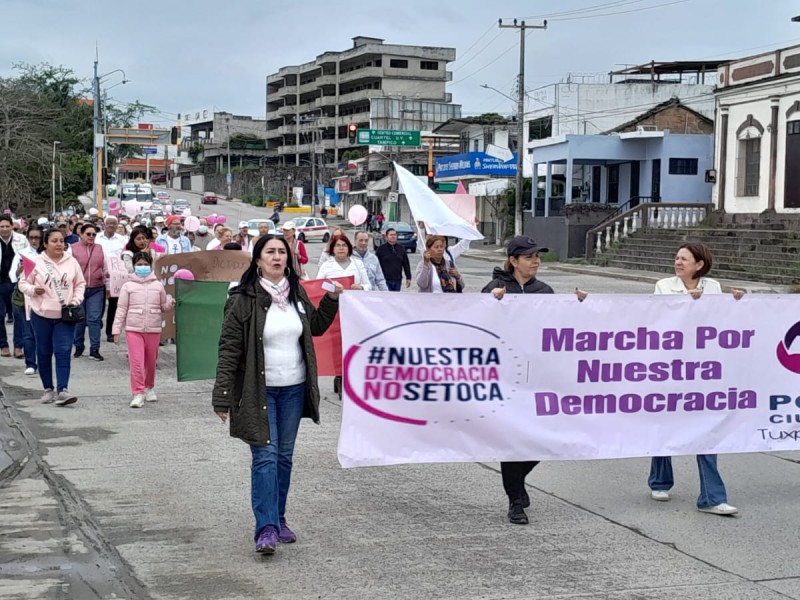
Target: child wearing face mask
142	299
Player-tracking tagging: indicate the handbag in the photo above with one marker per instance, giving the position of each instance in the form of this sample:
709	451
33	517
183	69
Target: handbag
69	313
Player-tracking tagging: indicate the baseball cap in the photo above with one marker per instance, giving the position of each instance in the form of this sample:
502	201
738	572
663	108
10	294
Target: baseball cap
159	219
288	225
523	245
173	219
243	224
202	230
42	221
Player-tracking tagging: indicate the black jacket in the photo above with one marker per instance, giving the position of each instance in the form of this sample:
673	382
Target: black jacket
240	388
505	279
394	261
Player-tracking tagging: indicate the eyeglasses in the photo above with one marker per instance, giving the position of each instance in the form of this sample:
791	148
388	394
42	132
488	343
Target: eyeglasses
90	234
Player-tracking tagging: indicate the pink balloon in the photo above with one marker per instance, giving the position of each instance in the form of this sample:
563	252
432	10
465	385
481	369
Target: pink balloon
191	224
211	219
132	208
113	205
187	212
221	219
185	274
357	214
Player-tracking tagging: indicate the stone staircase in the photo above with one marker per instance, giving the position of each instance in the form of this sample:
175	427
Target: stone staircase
764	251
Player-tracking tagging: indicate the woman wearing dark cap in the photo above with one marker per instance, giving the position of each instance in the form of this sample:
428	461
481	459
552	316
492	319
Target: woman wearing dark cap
518	276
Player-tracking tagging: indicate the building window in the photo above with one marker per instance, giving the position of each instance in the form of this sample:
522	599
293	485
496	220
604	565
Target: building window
396	63
683	166
793	128
748	171
540	129
476	145
429	65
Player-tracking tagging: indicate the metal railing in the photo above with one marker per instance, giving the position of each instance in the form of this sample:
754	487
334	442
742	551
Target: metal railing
603	237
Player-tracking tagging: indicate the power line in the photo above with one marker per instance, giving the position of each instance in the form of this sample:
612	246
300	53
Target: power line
587	9
489	64
476	55
621	12
476	42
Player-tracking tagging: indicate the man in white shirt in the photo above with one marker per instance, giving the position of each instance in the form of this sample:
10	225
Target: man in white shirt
113	244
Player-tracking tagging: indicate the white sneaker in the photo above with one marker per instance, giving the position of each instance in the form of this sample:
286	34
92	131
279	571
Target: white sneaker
150	395
138	401
720	509
659	495
30	371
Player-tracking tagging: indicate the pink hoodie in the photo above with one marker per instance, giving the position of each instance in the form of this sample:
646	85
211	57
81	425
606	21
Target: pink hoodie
141	302
70	277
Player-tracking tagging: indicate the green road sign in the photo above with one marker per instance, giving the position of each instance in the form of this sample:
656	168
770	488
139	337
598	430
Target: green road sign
387	137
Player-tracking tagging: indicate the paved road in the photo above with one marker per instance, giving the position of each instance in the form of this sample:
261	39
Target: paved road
154	503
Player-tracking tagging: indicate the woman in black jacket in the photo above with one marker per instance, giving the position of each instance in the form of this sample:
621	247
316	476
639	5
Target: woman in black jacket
267	376
519	277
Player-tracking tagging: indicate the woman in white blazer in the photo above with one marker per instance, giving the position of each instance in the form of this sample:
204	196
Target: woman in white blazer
692	264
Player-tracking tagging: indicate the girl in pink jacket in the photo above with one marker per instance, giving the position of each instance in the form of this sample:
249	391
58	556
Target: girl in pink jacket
142	300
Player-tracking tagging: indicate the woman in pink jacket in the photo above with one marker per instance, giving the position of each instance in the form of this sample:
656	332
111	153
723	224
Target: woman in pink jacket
142	300
56	280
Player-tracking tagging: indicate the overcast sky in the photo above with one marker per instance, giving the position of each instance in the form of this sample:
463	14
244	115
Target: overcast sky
206	53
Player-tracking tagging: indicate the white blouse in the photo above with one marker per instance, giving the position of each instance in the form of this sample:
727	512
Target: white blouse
331	269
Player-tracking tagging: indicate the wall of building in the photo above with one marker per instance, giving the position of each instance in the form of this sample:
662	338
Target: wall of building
676	119
756	100
686	188
579	108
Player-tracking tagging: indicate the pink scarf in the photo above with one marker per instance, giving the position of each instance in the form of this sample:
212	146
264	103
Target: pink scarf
278	291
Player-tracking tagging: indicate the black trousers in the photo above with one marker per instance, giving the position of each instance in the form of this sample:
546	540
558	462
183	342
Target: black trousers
514	474
112	312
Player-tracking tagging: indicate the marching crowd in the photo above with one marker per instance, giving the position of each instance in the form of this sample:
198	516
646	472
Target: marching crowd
59	278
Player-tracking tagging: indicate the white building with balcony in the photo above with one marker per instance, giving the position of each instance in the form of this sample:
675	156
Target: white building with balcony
311	105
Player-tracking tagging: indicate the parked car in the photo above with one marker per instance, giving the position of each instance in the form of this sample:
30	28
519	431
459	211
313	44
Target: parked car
311	228
209	198
406	235
162	196
254	224
158	178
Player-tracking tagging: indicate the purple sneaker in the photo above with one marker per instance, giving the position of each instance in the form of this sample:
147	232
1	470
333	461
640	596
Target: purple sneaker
267	540
286	535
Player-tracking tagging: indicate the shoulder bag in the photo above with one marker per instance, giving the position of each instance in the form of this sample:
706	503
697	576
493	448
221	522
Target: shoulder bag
69	313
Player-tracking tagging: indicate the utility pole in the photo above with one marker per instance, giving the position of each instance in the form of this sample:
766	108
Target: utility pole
314	171
521	122
228	177
96	128
53	177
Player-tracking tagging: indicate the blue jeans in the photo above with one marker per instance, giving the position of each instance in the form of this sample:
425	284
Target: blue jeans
271	470
94	302
712	489
19	326
28	339
53	337
6	289
394	285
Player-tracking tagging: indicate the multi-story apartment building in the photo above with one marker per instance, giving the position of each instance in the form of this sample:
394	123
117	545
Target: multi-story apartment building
312	105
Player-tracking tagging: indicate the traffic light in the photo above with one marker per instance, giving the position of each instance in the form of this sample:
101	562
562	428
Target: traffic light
431	183
352	132
173	136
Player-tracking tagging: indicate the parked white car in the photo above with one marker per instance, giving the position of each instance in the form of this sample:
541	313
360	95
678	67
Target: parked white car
311	228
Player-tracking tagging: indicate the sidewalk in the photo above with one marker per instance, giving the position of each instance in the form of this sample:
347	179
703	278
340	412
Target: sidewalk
497	255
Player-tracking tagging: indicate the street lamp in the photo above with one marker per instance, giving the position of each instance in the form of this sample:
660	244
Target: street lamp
488	87
796	19
228	177
53	177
